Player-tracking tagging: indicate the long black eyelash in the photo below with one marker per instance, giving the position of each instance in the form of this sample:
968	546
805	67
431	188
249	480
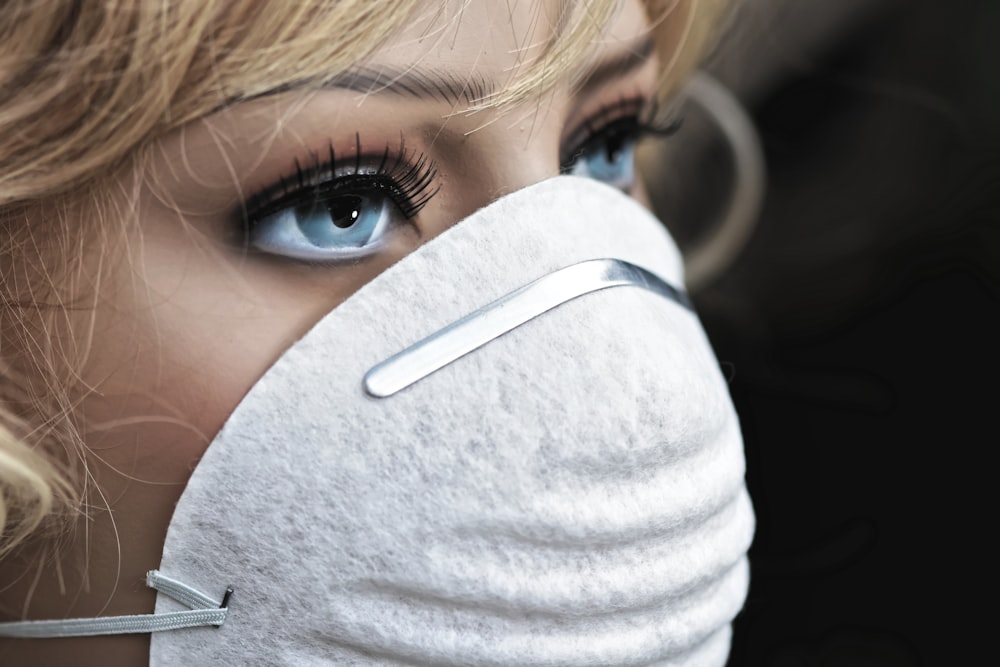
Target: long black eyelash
633	117
404	176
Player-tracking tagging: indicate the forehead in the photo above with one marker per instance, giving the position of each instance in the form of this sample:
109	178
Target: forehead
496	40
461	33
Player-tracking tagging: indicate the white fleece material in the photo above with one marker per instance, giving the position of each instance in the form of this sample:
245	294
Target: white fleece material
569	494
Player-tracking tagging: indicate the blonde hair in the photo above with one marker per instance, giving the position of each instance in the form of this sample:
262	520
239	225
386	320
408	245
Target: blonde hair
85	86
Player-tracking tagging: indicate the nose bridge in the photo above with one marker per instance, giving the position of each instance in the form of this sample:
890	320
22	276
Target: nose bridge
528	157
529	148
503	155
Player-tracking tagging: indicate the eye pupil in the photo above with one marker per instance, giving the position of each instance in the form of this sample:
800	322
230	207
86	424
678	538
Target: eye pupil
345	210
614	147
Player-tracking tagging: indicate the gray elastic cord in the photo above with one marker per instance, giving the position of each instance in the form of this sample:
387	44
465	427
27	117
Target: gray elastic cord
203	611
506	314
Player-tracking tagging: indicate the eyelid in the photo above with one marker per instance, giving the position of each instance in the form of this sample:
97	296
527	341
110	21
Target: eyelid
641	110
403	175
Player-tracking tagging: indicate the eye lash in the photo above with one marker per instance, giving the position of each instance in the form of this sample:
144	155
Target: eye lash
405	176
636	116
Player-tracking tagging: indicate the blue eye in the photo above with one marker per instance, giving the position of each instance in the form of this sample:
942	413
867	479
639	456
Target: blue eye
610	159
331	212
342	226
604	147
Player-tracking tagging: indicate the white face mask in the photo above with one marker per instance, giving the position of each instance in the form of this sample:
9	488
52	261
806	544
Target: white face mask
570	492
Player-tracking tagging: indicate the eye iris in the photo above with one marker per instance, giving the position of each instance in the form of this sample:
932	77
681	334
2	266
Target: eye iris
611	162
341	221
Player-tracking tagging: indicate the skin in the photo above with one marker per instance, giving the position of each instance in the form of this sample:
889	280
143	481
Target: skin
189	320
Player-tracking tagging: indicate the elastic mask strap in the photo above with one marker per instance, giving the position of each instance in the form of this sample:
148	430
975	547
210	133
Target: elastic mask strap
202	611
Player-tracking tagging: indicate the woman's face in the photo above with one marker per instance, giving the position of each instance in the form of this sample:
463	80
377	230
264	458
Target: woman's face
232	259
256	221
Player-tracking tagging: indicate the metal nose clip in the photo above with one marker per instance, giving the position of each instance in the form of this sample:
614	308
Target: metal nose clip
507	313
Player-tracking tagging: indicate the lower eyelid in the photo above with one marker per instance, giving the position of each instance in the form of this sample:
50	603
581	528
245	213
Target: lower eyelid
282	235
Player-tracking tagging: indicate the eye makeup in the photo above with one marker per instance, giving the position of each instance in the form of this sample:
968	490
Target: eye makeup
332	207
407	178
626	121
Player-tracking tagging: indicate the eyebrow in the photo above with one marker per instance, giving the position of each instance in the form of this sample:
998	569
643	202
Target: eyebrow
452	87
620	64
433	84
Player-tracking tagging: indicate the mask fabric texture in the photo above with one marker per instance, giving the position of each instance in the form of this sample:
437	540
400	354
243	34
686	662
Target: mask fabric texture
571	493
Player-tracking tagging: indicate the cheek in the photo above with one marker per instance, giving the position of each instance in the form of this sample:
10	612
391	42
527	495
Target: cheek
180	337
185	328
166	376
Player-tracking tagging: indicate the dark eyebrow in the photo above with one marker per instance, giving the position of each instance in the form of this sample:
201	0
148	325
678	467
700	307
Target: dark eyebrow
434	84
451	87
427	84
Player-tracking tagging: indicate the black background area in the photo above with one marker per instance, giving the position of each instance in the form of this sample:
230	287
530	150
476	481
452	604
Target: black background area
859	332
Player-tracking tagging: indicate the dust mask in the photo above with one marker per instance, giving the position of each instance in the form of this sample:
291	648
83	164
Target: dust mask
513	447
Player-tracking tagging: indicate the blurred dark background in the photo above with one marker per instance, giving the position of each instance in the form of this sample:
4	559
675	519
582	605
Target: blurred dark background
859	328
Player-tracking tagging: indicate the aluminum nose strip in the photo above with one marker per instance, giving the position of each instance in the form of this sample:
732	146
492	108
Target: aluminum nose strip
507	313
